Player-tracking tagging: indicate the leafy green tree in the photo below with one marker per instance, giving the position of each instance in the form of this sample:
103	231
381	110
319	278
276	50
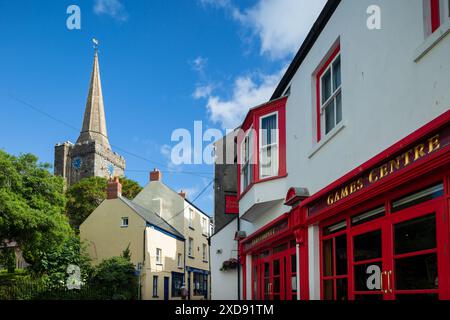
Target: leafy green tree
53	266
32	205
86	195
118	275
130	188
8	259
127	253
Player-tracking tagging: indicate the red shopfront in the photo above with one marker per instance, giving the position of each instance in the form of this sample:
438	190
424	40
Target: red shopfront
385	227
273	267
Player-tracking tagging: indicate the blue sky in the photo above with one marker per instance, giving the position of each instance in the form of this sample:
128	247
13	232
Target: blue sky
164	64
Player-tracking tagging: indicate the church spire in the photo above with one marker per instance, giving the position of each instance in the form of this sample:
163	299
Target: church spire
94	122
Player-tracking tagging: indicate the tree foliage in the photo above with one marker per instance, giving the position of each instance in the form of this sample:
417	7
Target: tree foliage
117	274
53	266
32	204
86	195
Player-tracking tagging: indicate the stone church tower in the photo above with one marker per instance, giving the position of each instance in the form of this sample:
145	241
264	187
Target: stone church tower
92	154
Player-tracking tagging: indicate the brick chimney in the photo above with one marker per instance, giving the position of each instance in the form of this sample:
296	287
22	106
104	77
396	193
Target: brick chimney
155	175
182	194
114	189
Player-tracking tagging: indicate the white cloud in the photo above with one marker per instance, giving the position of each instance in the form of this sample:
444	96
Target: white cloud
202	91
113	8
199	63
248	91
280	25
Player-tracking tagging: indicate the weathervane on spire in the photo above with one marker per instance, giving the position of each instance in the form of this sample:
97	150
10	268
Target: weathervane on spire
95	41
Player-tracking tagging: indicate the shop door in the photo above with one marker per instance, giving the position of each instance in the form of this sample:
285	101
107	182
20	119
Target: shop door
367	262
273	274
402	256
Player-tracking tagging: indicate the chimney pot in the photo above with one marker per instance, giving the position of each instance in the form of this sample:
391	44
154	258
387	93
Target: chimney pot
114	189
155	175
182	194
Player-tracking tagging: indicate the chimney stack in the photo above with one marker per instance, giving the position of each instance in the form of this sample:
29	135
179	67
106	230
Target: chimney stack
155	175
114	189
182	194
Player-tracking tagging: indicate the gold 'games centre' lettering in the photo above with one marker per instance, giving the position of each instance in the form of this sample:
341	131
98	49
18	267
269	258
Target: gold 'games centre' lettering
386	169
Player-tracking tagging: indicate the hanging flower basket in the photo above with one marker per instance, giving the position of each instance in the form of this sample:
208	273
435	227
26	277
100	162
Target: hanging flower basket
230	264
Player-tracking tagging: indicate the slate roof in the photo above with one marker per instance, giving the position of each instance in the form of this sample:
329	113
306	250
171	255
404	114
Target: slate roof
152	218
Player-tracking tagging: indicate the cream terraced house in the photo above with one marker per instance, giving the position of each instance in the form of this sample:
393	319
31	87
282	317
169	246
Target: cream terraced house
168	238
192	222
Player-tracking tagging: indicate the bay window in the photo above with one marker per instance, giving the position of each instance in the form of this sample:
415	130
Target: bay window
247	156
268	157
329	95
262	144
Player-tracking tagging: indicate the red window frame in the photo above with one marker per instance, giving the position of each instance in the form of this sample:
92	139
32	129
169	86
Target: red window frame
252	121
435	15
318	88
387	222
334	277
285	257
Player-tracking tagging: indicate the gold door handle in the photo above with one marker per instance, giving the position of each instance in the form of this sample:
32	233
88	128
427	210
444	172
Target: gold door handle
381	282
389	281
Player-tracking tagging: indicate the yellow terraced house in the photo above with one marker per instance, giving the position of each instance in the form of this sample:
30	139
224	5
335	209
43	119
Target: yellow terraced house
167	235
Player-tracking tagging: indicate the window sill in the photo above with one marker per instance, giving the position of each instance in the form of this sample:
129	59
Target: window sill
180	268
327	138
205	235
205	261
432	40
155	296
159	264
192	228
191	257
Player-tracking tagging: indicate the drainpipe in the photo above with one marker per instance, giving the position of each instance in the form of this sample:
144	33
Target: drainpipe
209	268
239	262
185	274
142	266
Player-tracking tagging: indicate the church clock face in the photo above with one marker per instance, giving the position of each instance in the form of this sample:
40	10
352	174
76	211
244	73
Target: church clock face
77	163
109	168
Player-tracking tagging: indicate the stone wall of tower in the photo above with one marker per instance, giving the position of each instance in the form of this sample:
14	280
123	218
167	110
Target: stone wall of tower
94	160
62	160
103	158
